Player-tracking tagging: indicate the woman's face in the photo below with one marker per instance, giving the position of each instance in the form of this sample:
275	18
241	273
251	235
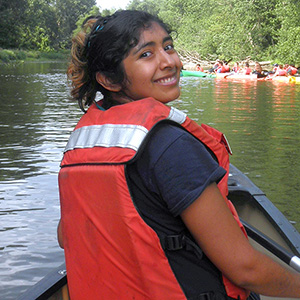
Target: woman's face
153	67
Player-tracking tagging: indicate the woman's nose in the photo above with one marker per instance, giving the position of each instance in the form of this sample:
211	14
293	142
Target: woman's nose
166	60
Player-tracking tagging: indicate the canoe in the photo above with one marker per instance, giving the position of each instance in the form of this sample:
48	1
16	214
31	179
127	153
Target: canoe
268	230
232	75
52	287
186	73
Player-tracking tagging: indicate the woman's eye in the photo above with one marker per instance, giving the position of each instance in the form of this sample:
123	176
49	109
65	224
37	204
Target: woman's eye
169	47
146	54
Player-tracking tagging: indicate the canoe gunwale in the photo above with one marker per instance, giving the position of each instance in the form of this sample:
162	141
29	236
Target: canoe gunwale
240	185
47	286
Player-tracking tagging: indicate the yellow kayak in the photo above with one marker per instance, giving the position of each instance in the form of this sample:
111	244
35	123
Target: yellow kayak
285	79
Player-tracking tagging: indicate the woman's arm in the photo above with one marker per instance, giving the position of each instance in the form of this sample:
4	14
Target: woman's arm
59	235
210	221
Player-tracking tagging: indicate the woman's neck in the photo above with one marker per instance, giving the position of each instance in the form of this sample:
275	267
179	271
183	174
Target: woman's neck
114	99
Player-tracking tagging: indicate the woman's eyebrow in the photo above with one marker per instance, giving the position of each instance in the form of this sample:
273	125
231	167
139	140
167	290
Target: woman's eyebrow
152	43
142	46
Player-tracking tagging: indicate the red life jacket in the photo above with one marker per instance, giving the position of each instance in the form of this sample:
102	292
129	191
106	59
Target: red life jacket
221	69
236	69
199	69
227	68
111	253
247	71
291	70
281	72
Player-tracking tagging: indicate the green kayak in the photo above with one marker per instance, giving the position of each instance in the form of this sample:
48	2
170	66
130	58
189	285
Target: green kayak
186	73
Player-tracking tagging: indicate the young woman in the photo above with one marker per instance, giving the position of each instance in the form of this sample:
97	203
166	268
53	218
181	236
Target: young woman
143	188
281	71
259	71
199	68
236	68
221	68
247	70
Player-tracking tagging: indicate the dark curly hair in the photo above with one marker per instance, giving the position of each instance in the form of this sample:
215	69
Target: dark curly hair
101	46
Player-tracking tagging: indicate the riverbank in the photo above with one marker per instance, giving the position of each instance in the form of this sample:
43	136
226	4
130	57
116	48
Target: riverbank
8	56
12	56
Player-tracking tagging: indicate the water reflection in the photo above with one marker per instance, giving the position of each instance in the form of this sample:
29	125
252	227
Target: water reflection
36	118
260	119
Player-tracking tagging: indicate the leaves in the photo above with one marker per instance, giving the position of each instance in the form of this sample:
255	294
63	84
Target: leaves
40	24
261	29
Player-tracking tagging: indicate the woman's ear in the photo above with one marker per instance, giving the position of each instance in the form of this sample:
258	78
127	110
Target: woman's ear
106	83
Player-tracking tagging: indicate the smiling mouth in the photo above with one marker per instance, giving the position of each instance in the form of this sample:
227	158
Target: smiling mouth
167	80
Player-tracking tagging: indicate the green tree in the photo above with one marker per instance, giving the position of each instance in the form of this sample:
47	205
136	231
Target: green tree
288	47
39	32
95	11
150	6
11	13
68	12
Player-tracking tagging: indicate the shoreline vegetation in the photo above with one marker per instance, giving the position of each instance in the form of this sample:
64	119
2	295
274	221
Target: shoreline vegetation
13	56
189	60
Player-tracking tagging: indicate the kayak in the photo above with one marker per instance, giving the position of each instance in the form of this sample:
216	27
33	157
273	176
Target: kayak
235	76
285	79
267	228
232	75
186	73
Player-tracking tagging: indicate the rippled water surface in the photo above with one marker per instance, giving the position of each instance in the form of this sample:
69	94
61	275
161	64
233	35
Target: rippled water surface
260	119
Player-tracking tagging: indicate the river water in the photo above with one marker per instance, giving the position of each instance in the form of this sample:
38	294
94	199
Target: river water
260	119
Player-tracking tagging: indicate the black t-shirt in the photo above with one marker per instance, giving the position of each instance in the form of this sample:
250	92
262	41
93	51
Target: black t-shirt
170	173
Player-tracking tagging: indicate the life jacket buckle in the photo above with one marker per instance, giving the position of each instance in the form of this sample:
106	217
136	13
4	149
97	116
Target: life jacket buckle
173	242
206	296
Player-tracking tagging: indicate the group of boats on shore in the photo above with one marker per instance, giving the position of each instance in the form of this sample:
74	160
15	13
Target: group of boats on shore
238	76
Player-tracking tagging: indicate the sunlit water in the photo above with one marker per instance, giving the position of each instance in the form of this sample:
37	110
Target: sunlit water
260	119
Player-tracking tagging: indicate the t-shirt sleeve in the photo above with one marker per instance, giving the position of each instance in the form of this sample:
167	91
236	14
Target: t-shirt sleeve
183	168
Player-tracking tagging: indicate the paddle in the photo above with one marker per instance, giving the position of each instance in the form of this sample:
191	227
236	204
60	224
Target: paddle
290	259
228	61
231	73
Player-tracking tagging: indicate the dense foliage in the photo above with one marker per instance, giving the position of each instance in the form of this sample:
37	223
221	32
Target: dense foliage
236	29
40	24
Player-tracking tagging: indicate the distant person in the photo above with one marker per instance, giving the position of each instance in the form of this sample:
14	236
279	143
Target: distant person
199	68
291	70
226	65
236	68
275	67
221	68
259	71
247	70
280	71
215	66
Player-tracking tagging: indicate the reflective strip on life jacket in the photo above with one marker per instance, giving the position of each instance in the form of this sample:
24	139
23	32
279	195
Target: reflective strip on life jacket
107	135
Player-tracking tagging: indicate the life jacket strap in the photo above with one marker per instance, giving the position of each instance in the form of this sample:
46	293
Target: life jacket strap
212	296
180	241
